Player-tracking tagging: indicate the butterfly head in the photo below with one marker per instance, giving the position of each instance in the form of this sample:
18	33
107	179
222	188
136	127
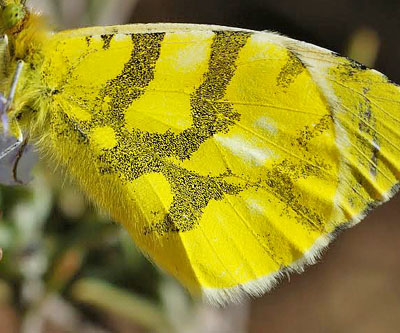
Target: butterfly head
12	15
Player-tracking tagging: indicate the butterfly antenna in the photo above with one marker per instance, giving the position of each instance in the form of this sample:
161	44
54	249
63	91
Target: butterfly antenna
5	104
3	114
13	88
15	145
11	148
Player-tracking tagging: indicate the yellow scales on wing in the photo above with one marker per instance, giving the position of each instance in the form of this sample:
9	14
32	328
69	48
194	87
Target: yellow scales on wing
231	156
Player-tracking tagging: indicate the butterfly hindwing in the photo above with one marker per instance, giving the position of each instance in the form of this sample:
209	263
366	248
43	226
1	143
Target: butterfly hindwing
230	156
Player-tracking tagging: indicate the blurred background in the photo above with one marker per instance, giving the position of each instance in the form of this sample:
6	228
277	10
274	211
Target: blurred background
67	268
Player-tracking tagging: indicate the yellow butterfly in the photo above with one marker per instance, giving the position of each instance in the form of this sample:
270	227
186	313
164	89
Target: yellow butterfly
231	156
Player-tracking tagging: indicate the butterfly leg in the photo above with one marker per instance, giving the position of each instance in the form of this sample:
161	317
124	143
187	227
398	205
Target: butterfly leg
18	158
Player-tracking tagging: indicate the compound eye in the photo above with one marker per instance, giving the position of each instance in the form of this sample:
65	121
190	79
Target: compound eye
12	14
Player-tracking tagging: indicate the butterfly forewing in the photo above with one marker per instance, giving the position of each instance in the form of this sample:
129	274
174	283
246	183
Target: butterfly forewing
230	156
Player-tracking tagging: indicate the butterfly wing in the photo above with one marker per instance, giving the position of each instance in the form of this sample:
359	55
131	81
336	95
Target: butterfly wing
231	157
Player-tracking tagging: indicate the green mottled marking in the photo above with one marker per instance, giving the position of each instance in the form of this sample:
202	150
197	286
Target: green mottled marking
290	71
88	40
210	114
106	41
281	179
58	121
367	125
311	131
140	152
367	137
138	72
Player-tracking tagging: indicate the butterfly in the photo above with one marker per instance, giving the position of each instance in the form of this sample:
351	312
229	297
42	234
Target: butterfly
232	157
